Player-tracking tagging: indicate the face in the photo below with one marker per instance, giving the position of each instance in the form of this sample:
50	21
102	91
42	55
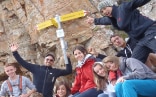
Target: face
107	11
78	55
61	92
48	61
112	66
118	41
99	70
10	71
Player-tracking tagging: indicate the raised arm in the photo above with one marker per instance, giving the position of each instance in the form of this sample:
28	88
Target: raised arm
98	21
28	66
68	69
102	21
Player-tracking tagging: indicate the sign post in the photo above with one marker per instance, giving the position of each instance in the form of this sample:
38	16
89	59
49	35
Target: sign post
57	23
60	34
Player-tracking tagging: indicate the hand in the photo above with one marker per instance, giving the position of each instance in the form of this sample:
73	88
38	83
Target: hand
113	82
121	79
24	95
89	20
13	47
92	51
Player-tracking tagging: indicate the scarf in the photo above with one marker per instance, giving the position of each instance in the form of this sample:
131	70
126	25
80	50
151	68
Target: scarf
81	63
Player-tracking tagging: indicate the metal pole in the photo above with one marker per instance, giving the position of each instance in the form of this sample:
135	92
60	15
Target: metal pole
60	34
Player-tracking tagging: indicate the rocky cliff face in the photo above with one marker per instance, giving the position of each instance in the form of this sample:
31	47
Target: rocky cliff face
18	19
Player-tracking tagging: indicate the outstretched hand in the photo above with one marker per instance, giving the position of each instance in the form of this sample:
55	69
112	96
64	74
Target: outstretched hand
13	47
24	95
89	20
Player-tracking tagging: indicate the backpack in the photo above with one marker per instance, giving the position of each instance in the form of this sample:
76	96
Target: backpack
10	86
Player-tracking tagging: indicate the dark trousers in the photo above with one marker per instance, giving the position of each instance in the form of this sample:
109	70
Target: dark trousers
89	93
146	45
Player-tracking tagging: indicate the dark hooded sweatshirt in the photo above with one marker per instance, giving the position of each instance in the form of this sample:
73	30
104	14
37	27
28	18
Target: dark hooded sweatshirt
126	17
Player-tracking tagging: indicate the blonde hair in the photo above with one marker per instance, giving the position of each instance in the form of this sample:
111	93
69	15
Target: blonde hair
100	81
113	59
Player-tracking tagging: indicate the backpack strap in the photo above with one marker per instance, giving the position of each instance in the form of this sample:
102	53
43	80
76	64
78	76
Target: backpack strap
10	86
20	83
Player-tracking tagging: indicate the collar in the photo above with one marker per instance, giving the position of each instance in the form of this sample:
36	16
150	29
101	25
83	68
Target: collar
81	63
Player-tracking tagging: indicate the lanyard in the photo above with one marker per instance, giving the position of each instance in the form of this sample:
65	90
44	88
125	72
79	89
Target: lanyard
130	50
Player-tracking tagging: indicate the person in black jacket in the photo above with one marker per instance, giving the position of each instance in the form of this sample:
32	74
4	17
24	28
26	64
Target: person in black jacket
127	18
44	77
127	49
126	46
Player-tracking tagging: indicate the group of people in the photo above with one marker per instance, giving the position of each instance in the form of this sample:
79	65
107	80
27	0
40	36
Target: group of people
129	73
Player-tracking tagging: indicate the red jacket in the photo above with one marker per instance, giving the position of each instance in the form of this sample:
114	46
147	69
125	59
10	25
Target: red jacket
84	77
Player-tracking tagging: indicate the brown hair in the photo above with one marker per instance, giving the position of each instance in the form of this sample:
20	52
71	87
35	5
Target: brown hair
114	36
59	83
81	48
18	70
99	80
9	64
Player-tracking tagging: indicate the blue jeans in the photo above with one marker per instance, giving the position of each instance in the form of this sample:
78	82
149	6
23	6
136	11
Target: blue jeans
135	87
89	93
111	94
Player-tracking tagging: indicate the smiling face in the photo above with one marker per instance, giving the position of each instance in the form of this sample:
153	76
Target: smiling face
111	66
61	91
106	11
99	70
48	61
118	41
79	55
10	71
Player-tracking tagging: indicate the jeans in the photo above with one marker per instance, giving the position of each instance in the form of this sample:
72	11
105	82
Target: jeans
88	93
135	87
111	94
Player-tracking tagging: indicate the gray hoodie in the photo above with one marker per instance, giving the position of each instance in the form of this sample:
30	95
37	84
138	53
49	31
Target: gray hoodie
134	69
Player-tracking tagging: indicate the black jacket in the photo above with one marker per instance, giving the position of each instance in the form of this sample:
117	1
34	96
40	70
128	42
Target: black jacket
44	77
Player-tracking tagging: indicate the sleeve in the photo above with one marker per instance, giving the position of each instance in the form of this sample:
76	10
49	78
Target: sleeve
102	21
3	89
68	69
100	56
133	4
29	84
25	64
136	68
76	84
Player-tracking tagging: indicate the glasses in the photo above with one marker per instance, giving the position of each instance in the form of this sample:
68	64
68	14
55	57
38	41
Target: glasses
51	60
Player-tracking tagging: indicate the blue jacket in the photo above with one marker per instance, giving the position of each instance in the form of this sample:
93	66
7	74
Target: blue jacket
44	77
126	17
